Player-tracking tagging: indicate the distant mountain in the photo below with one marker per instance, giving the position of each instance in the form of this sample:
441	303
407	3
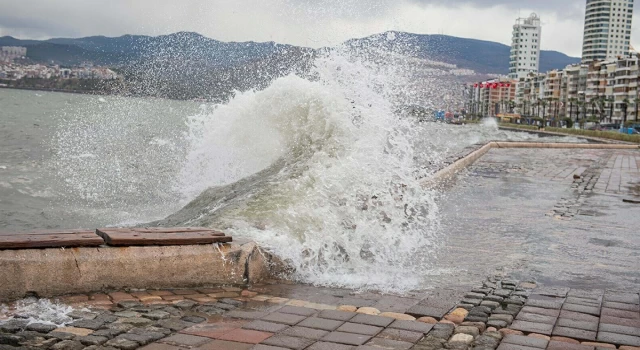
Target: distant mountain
186	47
485	57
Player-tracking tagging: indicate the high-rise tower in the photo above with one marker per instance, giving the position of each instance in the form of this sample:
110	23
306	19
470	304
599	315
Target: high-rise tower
607	29
525	47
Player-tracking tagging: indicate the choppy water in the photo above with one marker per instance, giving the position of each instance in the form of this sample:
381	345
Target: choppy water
318	169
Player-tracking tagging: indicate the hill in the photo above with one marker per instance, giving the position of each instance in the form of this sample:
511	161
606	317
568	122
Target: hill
484	57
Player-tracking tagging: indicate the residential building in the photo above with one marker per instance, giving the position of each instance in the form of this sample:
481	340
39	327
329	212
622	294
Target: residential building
493	97
9	53
607	29
525	47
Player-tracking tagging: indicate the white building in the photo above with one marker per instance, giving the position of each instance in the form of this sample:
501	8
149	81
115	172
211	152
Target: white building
607	29
525	47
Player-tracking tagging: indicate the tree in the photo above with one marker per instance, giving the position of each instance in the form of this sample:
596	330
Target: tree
544	110
625	105
636	101
572	101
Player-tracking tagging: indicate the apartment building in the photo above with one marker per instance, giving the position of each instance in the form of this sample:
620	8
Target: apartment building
525	47
607	29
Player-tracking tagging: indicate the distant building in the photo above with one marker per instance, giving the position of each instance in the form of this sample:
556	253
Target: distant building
607	29
9	53
525	47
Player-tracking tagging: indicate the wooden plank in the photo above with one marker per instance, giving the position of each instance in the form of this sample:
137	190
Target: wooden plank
162	236
163	230
50	239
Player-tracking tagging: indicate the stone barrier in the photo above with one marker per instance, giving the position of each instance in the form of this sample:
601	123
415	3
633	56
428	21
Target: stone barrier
58	271
448	172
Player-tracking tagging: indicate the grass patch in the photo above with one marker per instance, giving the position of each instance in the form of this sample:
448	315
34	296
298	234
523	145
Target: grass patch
609	135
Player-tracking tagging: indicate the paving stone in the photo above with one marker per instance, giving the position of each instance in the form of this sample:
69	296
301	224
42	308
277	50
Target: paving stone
289	319
532	327
157	315
583	301
612	328
418	311
358	328
389	343
461	338
346	338
498	324
441	333
267	347
123	344
59	335
591	310
506	346
618	338
620	313
544	304
502	292
372	320
484	291
541	311
401	335
587	326
193	319
74	330
264	326
127	304
556	345
321	323
68	345
227	345
486	341
525	341
627	298
10	339
578	316
185	304
244	336
412	326
599	346
296	310
92	340
174	324
495	298
304	332
586	294
523	316
474	302
552	292
251	315
620	321
329	346
337	315
88	324
574	333
474	295
186	340
476	319
473	331
288	342
490	304
565	339
621	306
121	327
41	327
506	318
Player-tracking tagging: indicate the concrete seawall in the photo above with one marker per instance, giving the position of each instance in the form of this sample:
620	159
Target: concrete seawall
53	272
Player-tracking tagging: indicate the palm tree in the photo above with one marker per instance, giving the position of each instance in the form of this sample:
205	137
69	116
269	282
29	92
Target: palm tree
581	106
625	105
611	104
636	101
571	102
544	110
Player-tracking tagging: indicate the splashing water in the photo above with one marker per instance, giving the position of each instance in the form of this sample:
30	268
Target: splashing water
332	189
39	311
490	123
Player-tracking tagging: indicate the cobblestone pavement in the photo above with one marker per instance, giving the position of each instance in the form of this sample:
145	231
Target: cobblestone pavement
501	313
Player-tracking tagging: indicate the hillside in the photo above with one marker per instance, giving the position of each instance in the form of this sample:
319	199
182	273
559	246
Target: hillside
484	57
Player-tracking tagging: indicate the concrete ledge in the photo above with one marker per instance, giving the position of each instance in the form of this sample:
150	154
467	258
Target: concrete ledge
52	272
450	171
551	133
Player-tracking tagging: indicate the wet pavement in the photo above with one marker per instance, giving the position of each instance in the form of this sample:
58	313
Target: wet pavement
556	216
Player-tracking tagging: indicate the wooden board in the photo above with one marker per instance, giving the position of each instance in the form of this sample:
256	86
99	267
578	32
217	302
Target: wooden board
50	239
161	236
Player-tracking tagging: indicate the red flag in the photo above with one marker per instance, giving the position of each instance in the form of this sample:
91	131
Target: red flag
475	85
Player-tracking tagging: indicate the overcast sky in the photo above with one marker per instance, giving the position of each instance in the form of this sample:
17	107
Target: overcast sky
301	22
